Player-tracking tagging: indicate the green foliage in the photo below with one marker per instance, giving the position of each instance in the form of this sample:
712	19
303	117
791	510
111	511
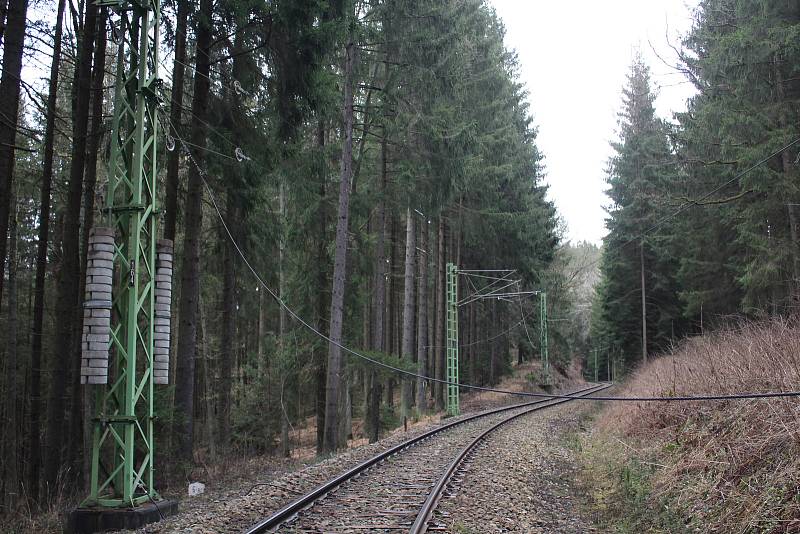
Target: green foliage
620	489
383	359
743	56
733	249
390	418
570	283
442	126
640	177
256	417
165	418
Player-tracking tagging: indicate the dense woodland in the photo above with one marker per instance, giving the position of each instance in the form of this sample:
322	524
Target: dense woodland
703	214
354	148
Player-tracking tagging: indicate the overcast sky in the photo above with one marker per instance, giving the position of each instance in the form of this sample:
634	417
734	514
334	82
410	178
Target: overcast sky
573	58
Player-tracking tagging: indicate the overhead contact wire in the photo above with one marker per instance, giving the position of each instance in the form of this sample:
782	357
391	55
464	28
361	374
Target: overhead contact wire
412	374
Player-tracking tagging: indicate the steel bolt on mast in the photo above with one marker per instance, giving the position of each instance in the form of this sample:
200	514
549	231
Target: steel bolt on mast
122	471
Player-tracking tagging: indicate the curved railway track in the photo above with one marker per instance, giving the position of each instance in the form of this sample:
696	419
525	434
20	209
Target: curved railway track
398	489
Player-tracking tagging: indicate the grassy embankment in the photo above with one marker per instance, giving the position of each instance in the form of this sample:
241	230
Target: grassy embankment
715	466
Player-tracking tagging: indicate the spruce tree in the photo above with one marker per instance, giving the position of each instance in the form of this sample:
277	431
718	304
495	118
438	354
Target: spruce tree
637	295
743	57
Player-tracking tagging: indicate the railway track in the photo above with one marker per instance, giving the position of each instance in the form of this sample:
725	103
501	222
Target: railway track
398	489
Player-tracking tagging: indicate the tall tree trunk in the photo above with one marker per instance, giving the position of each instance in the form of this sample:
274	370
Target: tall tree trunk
334	378
228	349
407	349
285	446
11	456
439	348
506	346
3	14
235	213
322	261
175	118
9	110
422	320
261	330
458	236
366	313
79	438
430	298
190	270
34	430
372	417
644	304
203	356
345	410
390	327
68	297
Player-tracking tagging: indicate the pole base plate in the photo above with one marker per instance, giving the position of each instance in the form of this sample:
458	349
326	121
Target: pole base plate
90	520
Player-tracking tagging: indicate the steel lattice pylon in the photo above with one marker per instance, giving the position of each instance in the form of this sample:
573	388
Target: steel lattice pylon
452	340
543	336
122	451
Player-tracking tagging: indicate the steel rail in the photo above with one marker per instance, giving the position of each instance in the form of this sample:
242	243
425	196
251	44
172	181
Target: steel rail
293	508
420	525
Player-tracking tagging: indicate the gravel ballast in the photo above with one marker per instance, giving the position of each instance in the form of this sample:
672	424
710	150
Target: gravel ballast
240	501
521	479
238	507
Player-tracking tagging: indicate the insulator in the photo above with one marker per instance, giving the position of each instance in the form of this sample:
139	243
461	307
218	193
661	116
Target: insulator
96	339
240	155
161	320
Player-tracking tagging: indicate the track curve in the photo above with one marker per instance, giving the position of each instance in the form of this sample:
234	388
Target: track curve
425	515
389	491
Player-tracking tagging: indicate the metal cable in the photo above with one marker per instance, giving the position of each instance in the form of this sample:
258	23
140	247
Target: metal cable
524	322
412	374
687	205
484	340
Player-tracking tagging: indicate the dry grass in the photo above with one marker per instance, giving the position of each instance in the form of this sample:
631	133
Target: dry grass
724	466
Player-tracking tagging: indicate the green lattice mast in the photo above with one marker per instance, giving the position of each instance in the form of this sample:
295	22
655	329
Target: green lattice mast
543	336
452	340
122	473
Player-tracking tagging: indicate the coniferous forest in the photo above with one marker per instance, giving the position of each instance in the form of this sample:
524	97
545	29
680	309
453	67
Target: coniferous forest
335	156
353	149
703	214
